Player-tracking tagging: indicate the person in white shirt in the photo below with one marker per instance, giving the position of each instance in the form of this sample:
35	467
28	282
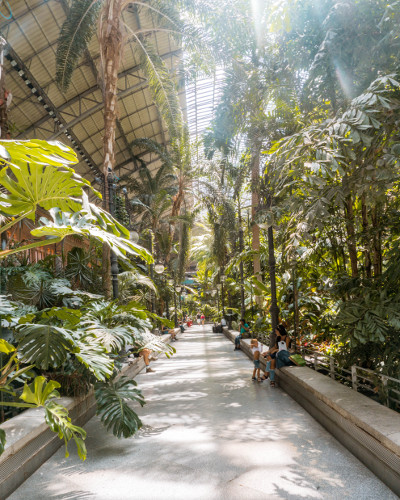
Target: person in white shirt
223	322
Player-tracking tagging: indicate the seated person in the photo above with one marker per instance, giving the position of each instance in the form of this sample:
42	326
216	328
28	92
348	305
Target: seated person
278	355
146	354
165	329
181	326
223	322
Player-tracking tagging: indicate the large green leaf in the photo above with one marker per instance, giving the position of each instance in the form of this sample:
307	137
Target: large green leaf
94	357
113	408
112	338
6	347
58	420
42	393
38	176
86	224
2	441
37	151
38	392
44	345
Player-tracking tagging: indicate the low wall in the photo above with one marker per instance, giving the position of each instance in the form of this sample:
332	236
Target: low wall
369	430
30	442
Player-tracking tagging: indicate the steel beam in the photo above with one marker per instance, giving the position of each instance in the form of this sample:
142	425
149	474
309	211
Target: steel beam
31	82
92	110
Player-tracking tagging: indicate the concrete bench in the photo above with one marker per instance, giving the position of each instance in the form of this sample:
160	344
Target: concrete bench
30	442
369	430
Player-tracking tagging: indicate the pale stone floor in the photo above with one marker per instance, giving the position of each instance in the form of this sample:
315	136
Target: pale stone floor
209	433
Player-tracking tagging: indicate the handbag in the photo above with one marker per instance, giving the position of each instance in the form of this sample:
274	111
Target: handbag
297	360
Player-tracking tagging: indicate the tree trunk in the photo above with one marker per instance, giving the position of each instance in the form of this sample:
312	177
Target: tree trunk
377	241
366	245
274	309
111	46
241	270
255	229
351	237
295	305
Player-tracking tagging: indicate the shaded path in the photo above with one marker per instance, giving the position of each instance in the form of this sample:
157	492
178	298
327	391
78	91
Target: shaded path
209	433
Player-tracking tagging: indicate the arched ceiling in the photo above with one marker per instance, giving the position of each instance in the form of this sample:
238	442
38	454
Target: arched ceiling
40	110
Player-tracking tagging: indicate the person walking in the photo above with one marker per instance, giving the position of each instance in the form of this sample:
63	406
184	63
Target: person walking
203	319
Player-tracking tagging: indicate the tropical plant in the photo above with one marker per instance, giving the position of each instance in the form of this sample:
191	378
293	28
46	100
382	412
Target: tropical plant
112	406
37	174
38	394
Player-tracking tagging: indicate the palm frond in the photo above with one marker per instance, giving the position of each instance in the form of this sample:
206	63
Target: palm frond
154	147
162	86
76	33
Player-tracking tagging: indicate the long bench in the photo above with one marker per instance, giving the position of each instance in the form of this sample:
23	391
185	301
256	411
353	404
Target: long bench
30	442
366	428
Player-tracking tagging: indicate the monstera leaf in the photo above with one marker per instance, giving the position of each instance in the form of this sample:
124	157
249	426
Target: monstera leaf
112	406
112	338
94	357
36	174
44	345
85	224
42	393
2	441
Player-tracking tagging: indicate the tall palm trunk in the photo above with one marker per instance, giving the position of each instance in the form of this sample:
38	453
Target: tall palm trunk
111	45
111	38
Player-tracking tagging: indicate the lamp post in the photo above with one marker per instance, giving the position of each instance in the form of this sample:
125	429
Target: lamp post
171	284
223	278
178	290
219	286
159	269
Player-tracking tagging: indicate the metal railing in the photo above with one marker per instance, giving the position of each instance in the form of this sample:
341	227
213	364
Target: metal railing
381	388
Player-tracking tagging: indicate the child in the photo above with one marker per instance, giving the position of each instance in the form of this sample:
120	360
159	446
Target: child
256	349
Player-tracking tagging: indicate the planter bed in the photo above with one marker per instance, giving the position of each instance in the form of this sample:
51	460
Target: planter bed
368	429
30	442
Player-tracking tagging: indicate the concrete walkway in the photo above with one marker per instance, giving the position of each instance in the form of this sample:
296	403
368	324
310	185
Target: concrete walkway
209	433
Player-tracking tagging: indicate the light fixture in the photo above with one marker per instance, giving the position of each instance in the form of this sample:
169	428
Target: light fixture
159	268
134	237
178	289
223	278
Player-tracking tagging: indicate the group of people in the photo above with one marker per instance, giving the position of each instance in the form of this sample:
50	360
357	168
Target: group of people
277	356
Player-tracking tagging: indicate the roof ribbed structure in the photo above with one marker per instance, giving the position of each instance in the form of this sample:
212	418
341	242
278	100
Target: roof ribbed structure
40	110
